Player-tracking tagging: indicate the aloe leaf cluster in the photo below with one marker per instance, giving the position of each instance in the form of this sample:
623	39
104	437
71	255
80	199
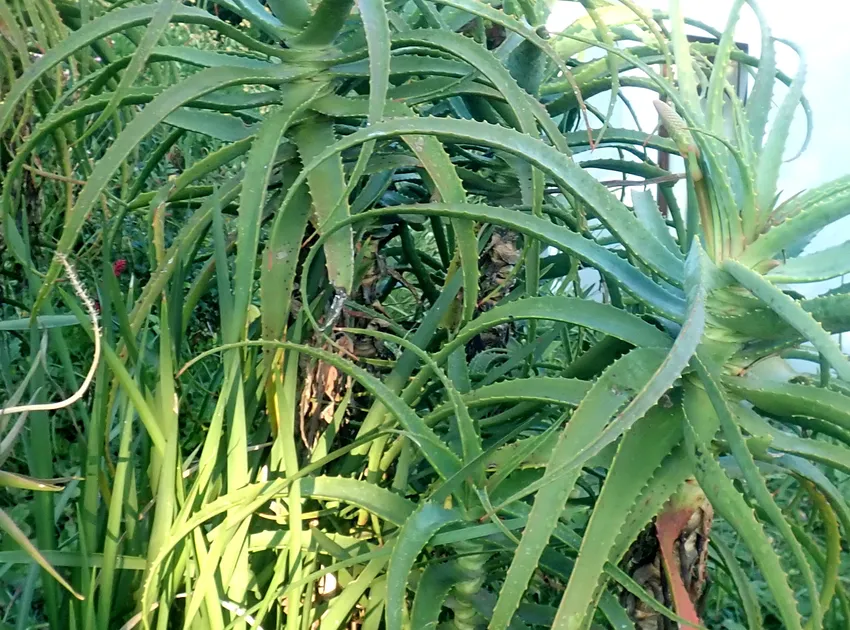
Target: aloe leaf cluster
372	342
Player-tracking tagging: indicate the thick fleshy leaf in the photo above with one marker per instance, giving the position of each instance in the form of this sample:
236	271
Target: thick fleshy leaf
684	61
541	389
566	173
768	436
642	450
646	209
789	399
759	101
613	389
330	206
413	536
756	484
432	589
774	147
258	173
730	504
664	299
215	125
790	311
153	32
799	217
815	267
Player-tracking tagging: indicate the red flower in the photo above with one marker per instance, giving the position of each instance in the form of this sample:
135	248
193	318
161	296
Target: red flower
119	266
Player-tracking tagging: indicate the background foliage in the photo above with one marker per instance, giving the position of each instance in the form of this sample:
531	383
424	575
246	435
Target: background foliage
375	346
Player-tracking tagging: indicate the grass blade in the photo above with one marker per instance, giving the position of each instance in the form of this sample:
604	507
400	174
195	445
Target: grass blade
8	526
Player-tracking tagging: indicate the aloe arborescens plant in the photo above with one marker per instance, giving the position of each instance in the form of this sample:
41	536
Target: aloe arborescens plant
304	416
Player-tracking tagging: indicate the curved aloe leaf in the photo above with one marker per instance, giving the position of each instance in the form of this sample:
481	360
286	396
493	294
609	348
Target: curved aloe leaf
793	314
801	216
255	183
766	436
633	280
648	212
542	389
155	29
718	80
745	590
787	399
613	389
432	589
566	173
684	61
728	502
327	189
759	101
822	265
413	536
643	449
806	470
756	483
257	14
771	157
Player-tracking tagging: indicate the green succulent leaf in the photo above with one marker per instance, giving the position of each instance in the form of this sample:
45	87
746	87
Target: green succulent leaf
640	453
414	535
